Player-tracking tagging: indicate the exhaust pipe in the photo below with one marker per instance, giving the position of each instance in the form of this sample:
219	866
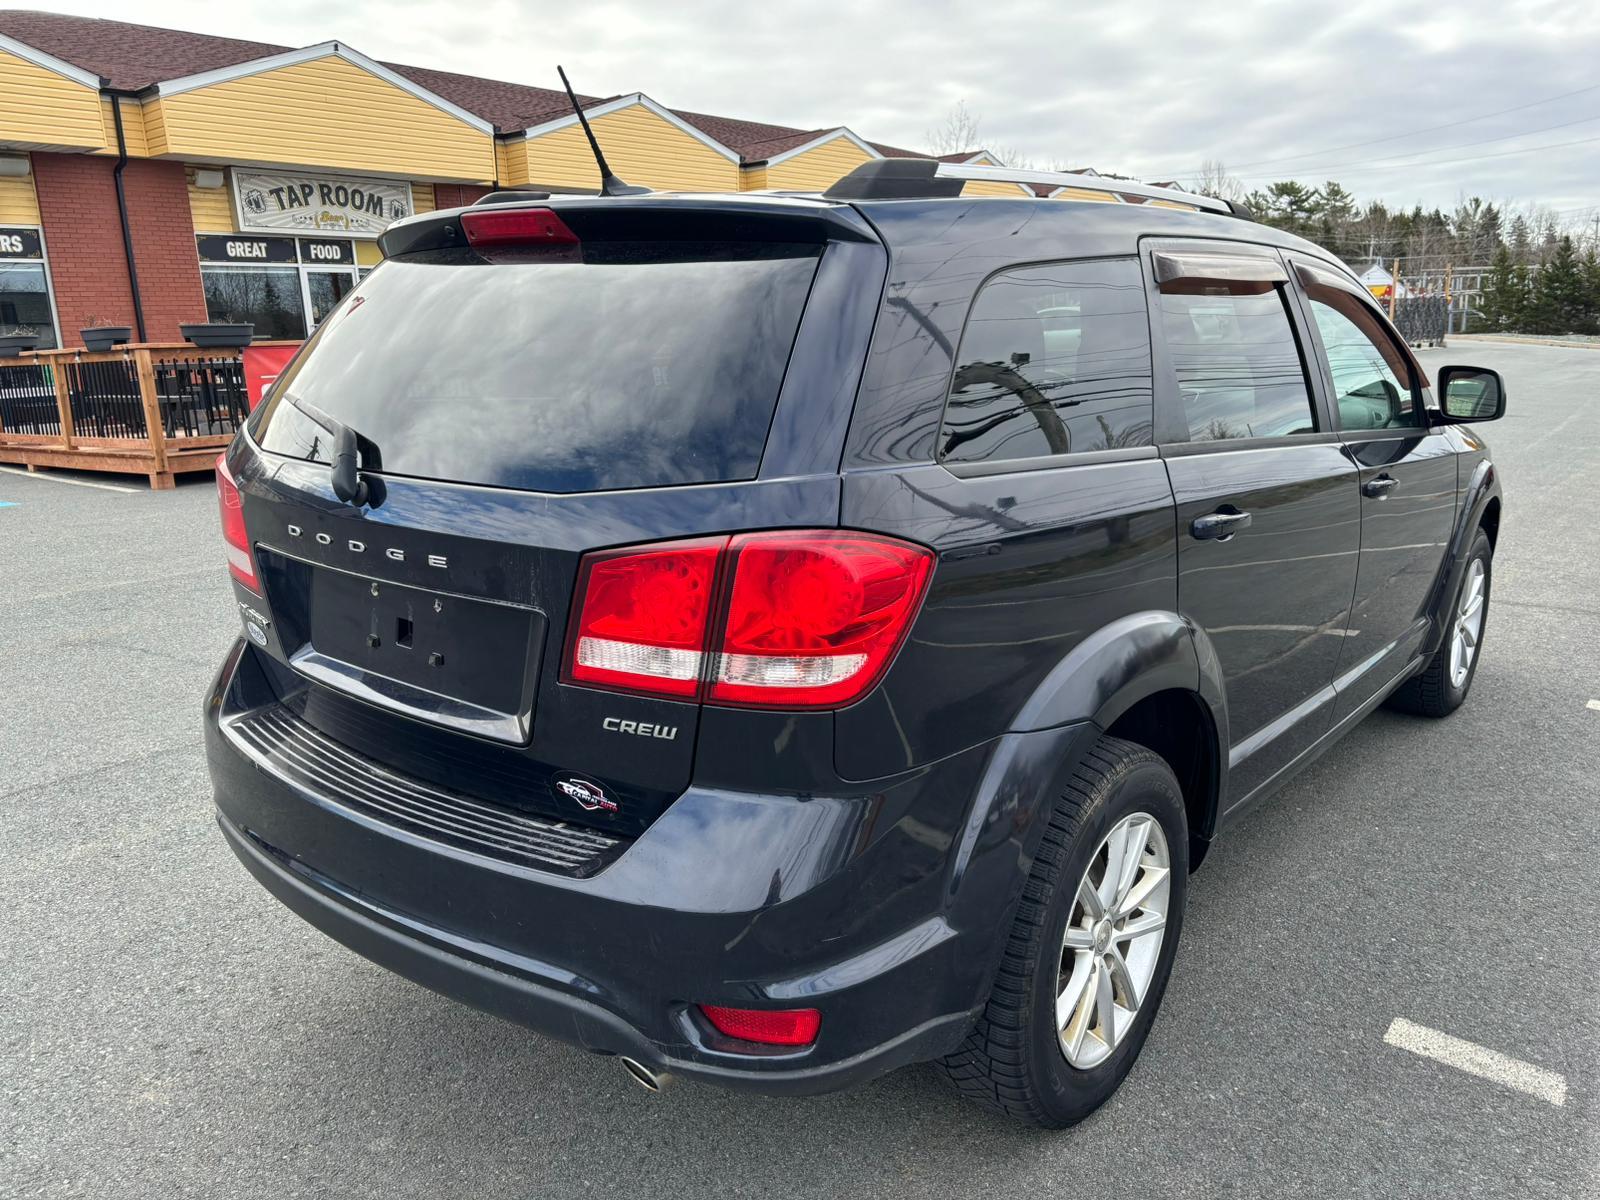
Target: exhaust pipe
650	1081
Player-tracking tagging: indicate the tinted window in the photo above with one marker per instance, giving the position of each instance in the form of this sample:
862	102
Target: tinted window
1371	377
622	365
1238	365
1054	360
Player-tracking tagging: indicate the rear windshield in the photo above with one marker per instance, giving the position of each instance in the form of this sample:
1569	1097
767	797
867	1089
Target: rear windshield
641	364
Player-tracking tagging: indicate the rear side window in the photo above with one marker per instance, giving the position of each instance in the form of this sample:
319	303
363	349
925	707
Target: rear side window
620	365
1240	374
1055	359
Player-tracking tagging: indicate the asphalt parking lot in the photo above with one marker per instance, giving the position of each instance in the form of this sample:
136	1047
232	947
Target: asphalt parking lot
168	1029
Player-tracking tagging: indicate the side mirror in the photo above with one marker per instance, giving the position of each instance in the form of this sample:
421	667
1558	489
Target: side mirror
1470	394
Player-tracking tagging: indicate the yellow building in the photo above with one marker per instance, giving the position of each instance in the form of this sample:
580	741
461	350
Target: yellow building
153	177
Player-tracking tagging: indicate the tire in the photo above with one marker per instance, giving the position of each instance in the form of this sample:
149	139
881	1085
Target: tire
1014	1061
1438	690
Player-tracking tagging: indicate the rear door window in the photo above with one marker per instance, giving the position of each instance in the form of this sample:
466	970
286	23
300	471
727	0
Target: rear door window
620	365
1055	360
1239	368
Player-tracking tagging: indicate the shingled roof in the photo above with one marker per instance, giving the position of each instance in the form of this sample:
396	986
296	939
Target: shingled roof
133	57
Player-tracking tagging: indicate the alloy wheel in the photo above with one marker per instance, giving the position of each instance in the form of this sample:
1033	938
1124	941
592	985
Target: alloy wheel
1468	626
1113	940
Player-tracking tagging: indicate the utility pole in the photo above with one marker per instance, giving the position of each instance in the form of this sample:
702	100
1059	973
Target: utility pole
1394	287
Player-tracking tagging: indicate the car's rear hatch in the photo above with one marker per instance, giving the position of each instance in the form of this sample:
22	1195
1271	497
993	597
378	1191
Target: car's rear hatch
514	407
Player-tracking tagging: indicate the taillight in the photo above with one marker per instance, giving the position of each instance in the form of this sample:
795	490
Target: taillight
642	617
236	539
767	1026
803	619
523	226
814	618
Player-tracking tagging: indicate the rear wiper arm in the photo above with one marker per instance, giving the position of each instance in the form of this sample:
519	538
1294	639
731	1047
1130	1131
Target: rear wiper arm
347	482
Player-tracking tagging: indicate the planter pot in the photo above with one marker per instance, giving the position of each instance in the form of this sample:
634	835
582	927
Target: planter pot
106	337
219	335
13	344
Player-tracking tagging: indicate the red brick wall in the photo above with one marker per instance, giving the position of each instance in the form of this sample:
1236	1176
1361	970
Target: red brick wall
83	234
457	195
163	245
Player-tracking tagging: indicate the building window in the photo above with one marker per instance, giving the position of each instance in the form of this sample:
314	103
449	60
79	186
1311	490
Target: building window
284	286
25	286
267	297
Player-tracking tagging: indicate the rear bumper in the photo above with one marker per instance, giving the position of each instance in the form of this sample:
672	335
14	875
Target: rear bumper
469	974
842	903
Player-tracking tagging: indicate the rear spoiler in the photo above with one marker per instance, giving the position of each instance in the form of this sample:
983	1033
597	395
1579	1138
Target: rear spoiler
649	218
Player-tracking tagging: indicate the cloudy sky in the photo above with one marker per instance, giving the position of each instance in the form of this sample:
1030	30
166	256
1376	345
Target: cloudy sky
1399	100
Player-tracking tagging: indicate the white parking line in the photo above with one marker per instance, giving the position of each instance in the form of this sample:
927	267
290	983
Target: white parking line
1593	704
104	487
1477	1060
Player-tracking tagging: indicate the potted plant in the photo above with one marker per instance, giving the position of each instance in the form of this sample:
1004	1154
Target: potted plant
226	334
14	339
103	335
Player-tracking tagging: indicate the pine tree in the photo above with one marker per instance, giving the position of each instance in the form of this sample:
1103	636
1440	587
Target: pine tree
1558	304
1521	238
1590	268
1504	293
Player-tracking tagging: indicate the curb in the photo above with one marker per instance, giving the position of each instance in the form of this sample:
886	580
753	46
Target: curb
1523	341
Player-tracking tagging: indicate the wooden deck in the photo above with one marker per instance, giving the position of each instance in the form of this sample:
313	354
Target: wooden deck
150	409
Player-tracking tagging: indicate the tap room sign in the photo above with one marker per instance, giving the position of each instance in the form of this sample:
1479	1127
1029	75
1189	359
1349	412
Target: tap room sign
302	202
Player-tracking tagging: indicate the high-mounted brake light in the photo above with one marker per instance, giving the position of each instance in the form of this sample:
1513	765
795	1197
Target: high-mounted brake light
767	1026
235	538
788	619
520	226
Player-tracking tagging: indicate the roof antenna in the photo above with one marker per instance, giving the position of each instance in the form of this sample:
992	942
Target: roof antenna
610	185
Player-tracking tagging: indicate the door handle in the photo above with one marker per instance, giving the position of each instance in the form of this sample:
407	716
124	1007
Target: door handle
1379	488
1220	525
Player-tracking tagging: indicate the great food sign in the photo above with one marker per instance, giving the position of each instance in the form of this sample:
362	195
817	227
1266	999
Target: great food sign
298	202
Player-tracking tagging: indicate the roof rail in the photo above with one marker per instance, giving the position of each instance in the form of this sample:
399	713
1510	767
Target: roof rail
925	178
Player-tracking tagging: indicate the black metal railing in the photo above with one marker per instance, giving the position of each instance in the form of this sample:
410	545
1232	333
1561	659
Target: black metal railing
105	398
199	397
28	399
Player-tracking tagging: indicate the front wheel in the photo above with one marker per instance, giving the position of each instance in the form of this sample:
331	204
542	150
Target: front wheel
1443	684
1089	954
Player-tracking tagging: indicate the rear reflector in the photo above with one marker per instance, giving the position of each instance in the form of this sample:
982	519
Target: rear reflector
804	619
523	226
235	538
767	1026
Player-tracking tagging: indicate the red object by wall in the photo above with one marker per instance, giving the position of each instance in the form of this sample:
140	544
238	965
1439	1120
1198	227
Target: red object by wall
83	236
262	366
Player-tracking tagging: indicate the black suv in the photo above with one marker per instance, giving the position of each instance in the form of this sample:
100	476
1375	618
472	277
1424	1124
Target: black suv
774	639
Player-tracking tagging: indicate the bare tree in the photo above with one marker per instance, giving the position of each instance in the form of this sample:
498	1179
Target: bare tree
958	132
1215	181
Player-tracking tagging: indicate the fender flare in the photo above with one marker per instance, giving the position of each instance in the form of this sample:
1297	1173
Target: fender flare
1120	664
1481	489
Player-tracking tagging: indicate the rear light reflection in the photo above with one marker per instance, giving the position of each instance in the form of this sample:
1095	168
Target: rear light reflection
766	1026
789	619
235	538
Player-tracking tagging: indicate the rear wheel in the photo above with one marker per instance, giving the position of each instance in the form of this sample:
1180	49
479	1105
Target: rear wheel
1443	684
1089	954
